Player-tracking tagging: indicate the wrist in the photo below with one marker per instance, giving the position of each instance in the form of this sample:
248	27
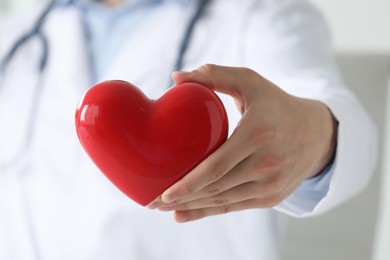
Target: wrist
326	138
322	129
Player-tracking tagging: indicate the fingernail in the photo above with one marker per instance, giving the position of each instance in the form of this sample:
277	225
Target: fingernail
182	216
154	205
168	198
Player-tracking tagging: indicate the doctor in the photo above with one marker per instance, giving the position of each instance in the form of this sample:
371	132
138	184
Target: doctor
303	144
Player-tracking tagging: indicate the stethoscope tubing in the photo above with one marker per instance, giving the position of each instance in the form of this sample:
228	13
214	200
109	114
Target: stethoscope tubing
36	31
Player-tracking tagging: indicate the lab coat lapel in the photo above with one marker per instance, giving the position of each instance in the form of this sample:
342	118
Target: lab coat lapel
68	63
66	79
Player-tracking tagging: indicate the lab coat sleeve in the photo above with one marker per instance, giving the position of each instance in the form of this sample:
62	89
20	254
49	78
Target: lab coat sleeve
288	42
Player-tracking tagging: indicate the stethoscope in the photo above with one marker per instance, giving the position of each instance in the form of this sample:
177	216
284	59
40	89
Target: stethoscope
37	32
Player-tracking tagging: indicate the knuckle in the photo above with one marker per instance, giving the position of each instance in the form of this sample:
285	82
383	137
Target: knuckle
247	72
188	189
226	209
220	201
201	213
212	190
208	69
218	170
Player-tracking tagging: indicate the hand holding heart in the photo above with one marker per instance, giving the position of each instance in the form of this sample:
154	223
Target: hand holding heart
280	141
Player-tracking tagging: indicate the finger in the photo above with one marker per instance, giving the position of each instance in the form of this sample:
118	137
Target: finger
258	167
252	168
248	170
267	201
234	81
214	167
272	185
270	198
245	191
235	177
191	215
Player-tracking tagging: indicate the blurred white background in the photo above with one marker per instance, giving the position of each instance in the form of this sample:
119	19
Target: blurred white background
358	26
359	229
9	6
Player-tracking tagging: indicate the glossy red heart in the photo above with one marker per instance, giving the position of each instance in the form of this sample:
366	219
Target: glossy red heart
144	146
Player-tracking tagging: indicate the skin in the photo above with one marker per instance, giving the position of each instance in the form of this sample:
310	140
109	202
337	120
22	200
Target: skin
280	141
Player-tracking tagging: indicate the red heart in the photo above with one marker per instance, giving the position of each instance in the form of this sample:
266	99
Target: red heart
144	146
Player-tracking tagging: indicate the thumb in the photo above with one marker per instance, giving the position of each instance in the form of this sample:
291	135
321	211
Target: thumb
240	83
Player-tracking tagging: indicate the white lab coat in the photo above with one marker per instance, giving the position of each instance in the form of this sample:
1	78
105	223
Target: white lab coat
55	204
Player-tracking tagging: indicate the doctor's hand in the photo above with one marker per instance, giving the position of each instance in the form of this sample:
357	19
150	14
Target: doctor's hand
280	141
